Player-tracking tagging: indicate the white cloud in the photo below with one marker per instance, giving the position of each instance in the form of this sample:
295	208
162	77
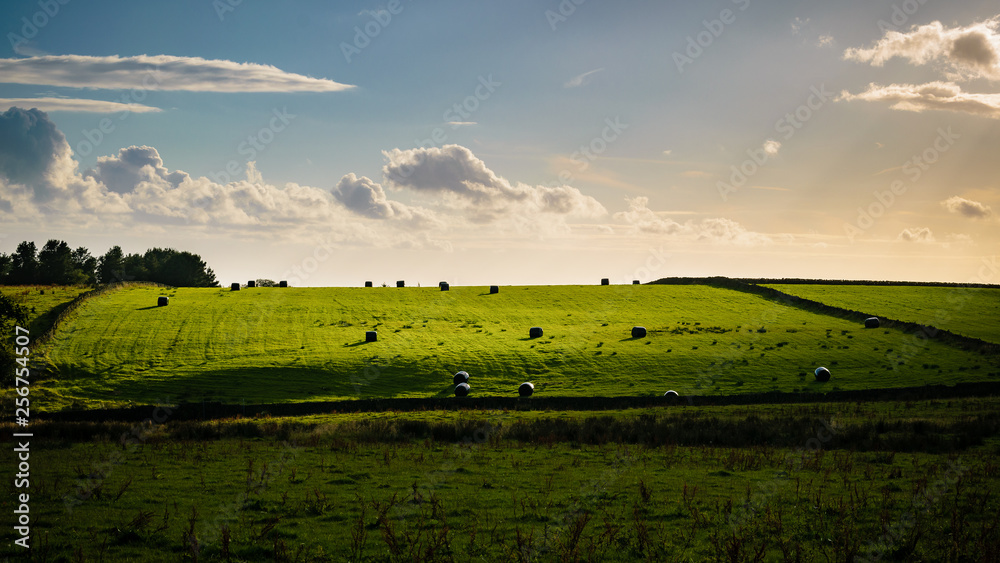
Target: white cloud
920	235
158	72
582	79
78	105
931	96
642	219
771	147
968	52
799	23
457	124
825	41
668	152
967	207
132	166
465	183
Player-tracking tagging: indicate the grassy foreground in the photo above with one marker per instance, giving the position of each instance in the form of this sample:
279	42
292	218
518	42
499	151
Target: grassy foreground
297	344
907	481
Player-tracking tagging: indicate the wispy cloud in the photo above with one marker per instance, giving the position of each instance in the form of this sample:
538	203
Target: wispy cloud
922	234
159	72
74	105
582	79
457	124
930	96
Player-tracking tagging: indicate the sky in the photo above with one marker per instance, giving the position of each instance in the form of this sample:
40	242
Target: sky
541	142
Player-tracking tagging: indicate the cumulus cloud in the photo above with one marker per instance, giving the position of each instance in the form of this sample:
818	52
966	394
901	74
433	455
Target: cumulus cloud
967	52
33	152
921	235
771	147
159	72
718	230
464	182
967	207
363	196
132	166
931	96
582	79
77	105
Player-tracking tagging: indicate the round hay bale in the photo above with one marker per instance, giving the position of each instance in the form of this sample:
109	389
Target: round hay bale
162	301
822	374
401	283
252	283
638	332
368	284
605	281
461	377
371	336
635	282
235	286
494	289
526	389
872	322
462	390
283	283
444	286
535	332
671	395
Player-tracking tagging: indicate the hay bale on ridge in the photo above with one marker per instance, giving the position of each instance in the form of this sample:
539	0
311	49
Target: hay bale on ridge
494	289
444	286
461	377
462	390
252	283
162	301
526	389
671	395
635	282
605	281
235	286
371	336
872	322
283	283
401	283
535	332
368	284
638	332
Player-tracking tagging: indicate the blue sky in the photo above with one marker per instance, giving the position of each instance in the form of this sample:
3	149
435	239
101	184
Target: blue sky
591	140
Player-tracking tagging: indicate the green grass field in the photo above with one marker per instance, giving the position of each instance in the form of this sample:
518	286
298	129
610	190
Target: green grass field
967	311
885	481
43	303
297	344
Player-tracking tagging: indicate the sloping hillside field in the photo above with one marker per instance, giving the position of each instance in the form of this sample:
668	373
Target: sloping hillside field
296	344
967	311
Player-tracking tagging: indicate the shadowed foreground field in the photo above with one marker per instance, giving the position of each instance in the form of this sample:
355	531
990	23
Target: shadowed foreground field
887	481
266	345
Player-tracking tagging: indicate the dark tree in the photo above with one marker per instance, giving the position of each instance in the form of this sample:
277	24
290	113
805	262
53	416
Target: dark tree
24	264
85	265
111	266
5	265
264	282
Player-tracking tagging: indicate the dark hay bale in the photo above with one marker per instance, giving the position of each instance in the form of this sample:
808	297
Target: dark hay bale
368	284
605	281
444	286
494	289
461	377
671	395
872	322
635	282
371	336
401	283
535	332
283	283
252	283
822	374
162	301
234	287
462	389
638	332
526	389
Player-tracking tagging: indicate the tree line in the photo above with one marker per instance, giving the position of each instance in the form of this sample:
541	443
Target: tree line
58	264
